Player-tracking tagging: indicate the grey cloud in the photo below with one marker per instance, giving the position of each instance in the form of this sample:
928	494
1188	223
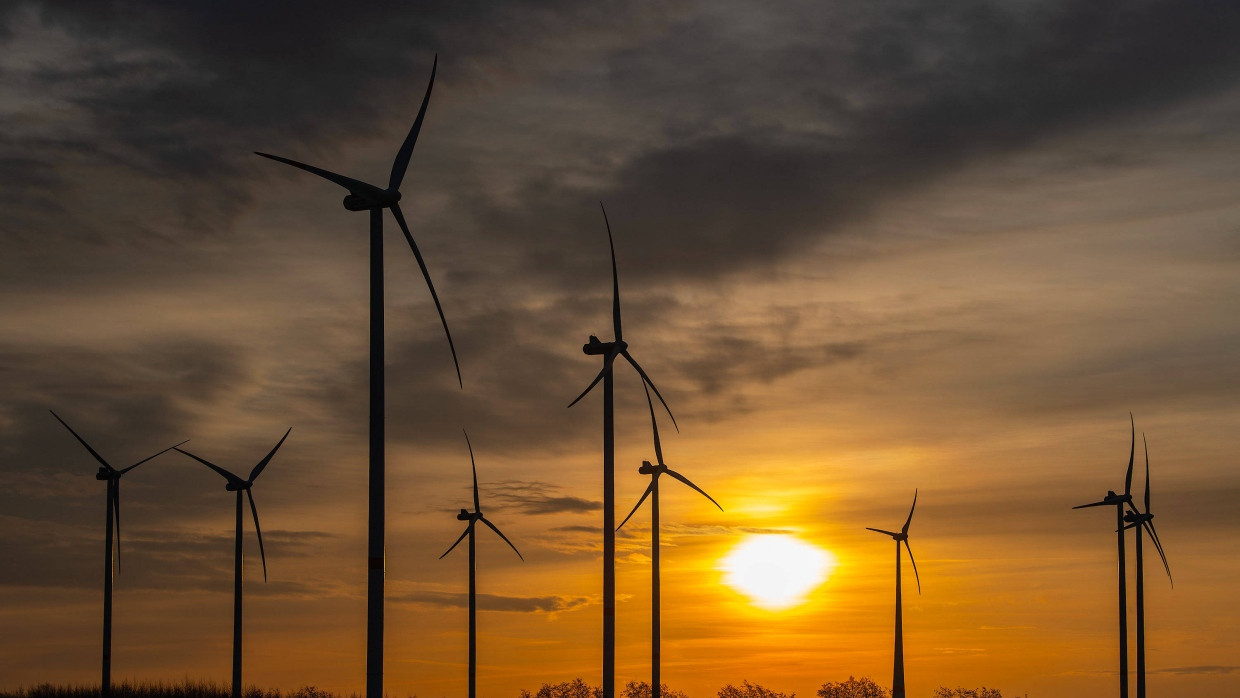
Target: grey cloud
494	602
1202	670
534	497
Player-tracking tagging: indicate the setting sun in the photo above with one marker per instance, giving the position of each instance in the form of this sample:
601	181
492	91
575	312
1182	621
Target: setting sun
776	571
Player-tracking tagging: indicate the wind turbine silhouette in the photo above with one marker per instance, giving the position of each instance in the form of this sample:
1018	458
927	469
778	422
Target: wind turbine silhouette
1144	520
474	517
609	351
112	477
368	197
897	679
1119	501
652	491
236	484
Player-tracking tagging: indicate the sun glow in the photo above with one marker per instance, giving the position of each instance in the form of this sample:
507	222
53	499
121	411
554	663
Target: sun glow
776	571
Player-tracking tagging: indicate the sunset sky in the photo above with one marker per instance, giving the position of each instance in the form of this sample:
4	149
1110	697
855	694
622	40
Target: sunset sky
865	247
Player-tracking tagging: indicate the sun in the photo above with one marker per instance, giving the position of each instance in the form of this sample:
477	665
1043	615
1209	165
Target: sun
776	571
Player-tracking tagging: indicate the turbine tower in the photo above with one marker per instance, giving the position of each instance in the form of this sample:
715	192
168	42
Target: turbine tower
897	678
368	197
1144	520
609	351
236	484
652	491
112	477
474	517
1119	501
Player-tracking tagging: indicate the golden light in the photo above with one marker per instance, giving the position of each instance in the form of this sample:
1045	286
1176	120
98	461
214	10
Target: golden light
776	571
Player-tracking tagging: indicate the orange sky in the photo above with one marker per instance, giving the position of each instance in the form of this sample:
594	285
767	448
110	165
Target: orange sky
861	252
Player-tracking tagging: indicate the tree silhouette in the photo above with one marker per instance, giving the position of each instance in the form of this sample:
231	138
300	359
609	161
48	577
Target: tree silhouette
751	690
959	692
864	687
569	689
641	689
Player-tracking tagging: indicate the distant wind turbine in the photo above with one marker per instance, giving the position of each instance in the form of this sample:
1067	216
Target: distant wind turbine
368	197
652	491
1119	501
112	477
897	679
236	484
474	517
1144	520
609	351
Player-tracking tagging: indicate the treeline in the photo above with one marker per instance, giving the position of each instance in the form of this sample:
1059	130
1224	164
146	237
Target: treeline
864	687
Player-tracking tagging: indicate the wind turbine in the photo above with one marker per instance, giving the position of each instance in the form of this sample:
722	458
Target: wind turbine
236	484
474	517
652	491
112	477
609	351
897	679
1144	520
368	197
1119	501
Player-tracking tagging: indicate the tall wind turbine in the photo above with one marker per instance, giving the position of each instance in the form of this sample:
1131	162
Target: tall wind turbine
112	477
609	351
368	197
1144	520
1119	501
897	679
236	484
474	517
652	491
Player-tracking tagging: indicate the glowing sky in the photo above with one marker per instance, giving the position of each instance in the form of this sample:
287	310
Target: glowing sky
864	246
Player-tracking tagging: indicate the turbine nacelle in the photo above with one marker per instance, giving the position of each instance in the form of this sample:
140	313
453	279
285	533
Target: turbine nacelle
107	474
379	198
649	469
238	485
467	515
597	347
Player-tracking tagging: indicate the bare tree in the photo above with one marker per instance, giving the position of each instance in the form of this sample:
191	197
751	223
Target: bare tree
864	687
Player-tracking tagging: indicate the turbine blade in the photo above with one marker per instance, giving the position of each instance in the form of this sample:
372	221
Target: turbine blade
914	561
401	163
879	530
1095	504
404	228
353	185
702	492
1147	472
267	459
607	362
83	442
227	475
649	489
254	510
464	533
615	281
500	533
646	378
125	470
477	506
1132	451
654	425
1158	546
909	520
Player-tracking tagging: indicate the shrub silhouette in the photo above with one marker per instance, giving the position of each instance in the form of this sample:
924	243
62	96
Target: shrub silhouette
959	692
641	689
569	689
863	687
751	690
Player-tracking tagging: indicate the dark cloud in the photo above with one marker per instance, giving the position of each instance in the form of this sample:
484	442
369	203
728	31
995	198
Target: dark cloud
534	497
493	602
1202	670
